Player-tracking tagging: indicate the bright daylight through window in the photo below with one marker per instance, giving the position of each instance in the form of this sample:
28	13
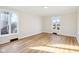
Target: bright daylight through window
8	23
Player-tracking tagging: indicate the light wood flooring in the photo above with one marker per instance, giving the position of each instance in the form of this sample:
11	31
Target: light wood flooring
42	43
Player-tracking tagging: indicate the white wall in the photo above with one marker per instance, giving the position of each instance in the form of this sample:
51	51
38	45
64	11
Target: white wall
29	24
78	26
68	24
46	24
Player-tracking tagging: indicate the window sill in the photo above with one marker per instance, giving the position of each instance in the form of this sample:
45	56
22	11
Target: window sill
8	35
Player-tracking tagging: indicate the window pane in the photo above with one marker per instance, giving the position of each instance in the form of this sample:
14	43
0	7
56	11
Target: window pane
13	23
56	20
4	23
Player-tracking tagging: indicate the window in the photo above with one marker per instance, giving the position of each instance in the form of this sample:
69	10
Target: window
56	19
13	23
56	22
8	23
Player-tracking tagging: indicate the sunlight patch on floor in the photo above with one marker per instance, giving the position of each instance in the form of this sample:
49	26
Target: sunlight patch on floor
51	49
74	47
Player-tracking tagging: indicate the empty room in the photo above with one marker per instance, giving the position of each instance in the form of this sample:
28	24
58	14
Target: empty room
39	29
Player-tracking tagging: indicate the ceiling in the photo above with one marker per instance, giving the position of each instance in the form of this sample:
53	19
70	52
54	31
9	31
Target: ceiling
51	10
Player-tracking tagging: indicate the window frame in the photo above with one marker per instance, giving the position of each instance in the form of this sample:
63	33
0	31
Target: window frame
9	34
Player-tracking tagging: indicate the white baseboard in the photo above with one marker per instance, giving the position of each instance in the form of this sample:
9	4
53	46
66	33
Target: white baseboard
21	37
6	41
7	38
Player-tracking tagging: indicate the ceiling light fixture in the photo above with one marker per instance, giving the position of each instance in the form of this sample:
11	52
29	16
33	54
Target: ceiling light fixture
45	7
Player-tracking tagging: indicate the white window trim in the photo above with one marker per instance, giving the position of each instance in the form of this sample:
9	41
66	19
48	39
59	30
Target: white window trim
10	34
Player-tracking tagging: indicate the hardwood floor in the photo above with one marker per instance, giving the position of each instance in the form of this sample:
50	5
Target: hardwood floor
42	43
